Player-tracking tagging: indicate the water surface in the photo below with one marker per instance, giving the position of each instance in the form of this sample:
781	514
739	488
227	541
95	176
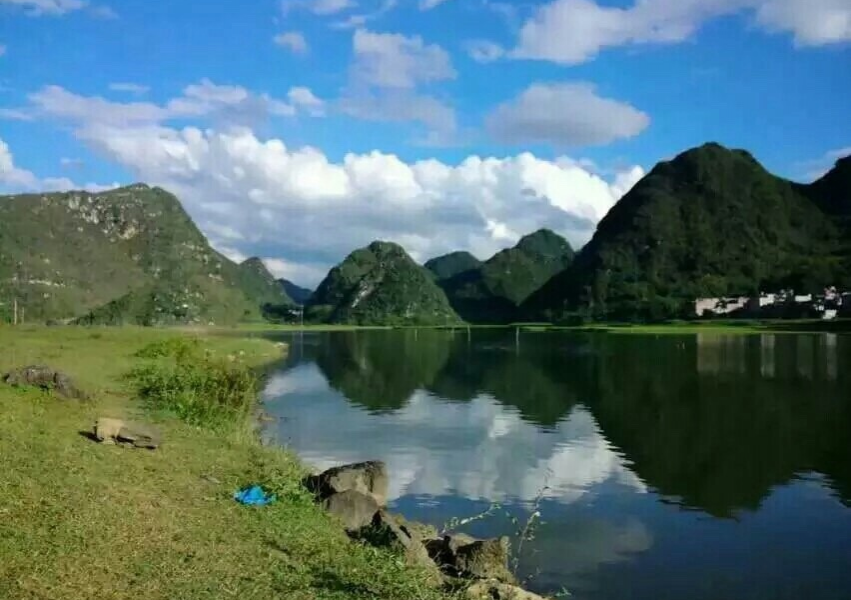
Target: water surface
695	467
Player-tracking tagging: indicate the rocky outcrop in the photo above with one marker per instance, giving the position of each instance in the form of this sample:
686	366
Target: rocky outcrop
47	379
367	478
462	556
355	509
354	494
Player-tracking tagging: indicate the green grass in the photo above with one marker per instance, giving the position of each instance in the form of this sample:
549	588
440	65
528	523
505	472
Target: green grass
81	520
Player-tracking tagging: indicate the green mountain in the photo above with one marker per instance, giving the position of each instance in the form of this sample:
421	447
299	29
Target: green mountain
299	294
129	255
260	285
493	292
452	264
710	222
380	285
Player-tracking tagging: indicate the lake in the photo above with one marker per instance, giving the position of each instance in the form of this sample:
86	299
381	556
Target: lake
698	467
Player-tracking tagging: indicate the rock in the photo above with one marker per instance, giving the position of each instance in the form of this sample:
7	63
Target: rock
366	478
495	590
422	530
47	379
110	431
387	531
106	429
355	509
141	436
460	555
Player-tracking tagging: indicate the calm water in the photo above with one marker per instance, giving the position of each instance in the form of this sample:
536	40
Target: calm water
689	467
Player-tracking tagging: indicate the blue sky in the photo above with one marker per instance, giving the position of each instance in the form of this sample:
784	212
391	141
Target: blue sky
298	130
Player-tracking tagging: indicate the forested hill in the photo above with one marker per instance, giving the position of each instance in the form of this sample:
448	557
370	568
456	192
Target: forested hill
493	291
380	285
128	255
710	222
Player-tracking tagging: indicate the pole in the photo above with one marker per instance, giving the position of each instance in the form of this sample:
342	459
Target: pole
15	311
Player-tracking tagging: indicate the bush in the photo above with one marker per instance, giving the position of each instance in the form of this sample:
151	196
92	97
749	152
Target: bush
196	387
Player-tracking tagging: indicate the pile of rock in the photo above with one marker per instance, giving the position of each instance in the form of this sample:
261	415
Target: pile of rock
357	495
45	378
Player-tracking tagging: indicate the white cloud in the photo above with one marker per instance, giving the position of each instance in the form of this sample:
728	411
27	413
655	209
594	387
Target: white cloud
811	22
225	104
260	188
565	114
303	98
393	60
484	51
318	7
16	179
70	163
402	107
386	75
295	272
130	88
429	4
47	7
293	41
813	169
2	49
574	31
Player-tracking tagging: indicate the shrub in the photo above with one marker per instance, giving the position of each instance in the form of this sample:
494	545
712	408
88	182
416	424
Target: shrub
197	387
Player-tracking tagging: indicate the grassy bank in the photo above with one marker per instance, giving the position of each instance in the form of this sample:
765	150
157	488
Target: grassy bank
81	520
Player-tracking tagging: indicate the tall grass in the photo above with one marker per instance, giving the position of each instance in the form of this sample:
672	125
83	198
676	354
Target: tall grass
181	377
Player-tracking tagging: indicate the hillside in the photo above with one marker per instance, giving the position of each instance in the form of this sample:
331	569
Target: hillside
129	255
380	284
452	264
493	292
710	222
299	295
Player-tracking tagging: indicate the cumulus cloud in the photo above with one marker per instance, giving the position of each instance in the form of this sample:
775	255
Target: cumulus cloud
393	60
318	7
130	88
227	104
811	22
565	114
386	79
38	8
297	205
259	197
574	31
293	41
429	4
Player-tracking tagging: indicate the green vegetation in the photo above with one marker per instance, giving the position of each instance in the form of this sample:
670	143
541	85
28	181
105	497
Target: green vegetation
299	294
127	256
380	285
493	292
452	264
197	387
711	222
84	521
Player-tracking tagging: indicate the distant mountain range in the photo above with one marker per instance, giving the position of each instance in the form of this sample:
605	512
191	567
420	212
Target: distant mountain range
711	222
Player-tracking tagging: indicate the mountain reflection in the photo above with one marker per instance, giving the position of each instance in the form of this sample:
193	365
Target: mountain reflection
711	422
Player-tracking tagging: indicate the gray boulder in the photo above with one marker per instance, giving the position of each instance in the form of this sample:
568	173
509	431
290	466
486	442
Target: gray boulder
387	530
355	509
47	379
460	555
110	431
366	477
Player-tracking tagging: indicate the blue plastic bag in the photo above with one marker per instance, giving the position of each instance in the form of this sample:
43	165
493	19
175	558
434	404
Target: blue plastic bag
254	496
